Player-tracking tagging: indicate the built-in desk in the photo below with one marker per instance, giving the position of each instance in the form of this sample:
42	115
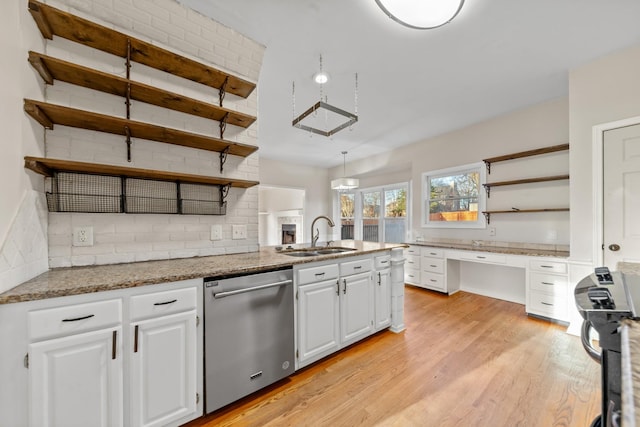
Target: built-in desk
537	279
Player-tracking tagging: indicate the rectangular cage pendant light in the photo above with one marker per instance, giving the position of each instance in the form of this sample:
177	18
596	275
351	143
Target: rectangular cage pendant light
324	119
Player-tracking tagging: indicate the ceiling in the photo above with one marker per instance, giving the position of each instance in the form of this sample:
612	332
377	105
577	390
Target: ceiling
494	57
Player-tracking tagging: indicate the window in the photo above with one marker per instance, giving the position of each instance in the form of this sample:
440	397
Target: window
374	214
347	211
453	198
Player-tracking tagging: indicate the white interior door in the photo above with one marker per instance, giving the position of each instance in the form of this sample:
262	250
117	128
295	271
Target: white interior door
621	195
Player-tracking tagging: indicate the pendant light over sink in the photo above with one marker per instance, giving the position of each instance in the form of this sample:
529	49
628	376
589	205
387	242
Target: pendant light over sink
344	183
421	14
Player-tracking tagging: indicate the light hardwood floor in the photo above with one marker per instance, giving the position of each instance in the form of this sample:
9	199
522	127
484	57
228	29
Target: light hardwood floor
464	360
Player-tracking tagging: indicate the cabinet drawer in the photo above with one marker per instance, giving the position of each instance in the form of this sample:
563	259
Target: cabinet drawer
412	261
162	303
412	276
432	252
432	265
548	266
74	319
382	262
548	305
552	284
485	257
431	280
412	250
353	267
317	274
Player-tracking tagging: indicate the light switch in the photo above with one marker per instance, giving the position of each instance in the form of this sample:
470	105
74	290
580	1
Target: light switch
239	232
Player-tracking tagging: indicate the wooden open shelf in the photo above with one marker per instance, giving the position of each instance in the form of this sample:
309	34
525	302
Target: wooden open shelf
47	167
52	21
488	186
488	214
529	153
51	69
50	114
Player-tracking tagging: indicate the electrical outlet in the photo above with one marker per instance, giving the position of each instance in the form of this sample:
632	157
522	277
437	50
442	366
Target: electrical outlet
216	232
83	236
492	231
239	232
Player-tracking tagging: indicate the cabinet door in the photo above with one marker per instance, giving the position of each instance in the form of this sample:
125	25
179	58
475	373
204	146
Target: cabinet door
356	307
77	380
163	369
382	285
318	320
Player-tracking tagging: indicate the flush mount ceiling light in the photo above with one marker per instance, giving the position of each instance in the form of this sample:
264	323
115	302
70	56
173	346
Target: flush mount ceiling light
323	118
344	183
421	14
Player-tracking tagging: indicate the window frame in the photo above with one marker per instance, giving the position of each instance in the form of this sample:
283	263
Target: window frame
456	170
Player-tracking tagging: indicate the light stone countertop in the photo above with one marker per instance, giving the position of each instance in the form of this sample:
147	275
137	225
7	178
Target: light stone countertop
60	282
629	267
527	251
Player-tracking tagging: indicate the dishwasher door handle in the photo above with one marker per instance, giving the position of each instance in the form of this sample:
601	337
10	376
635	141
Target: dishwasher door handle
255	288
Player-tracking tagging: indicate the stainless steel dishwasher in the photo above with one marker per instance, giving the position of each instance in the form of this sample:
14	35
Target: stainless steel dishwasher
249	334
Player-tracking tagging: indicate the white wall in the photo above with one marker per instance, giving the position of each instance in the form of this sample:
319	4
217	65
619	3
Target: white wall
315	182
23	220
139	237
602	91
538	126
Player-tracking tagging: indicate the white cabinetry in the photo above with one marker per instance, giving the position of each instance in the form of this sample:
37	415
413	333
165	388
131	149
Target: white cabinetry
335	307
412	265
548	289
75	365
318	312
84	366
163	357
382	293
432	271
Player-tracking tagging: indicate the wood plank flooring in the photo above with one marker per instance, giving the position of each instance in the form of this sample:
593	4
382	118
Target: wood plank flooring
464	360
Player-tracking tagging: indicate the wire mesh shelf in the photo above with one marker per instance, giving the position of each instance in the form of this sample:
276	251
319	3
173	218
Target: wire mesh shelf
87	193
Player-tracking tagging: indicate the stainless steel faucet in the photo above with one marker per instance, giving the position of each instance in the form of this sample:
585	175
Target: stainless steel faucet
316	236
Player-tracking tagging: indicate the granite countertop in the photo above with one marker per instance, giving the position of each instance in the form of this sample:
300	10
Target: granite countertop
516	249
60	282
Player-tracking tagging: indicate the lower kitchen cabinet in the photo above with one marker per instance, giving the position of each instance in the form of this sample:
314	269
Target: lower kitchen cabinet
129	357
382	285
356	308
318	320
335	312
163	369
76	380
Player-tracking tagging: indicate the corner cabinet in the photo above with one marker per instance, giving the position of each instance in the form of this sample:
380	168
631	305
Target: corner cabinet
488	186
130	357
76	175
76	365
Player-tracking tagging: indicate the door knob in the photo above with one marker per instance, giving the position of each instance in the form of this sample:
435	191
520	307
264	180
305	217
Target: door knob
613	247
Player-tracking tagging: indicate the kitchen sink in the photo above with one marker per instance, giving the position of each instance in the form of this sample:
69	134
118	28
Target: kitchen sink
301	253
327	251
316	252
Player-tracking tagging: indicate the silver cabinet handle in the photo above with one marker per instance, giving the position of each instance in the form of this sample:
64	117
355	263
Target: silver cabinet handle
357	267
379	279
546	266
114	339
481	257
338	287
547	283
345	286
546	303
320	274
135	339
255	288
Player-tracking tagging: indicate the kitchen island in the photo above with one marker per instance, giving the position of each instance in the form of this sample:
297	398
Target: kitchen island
123	344
68	281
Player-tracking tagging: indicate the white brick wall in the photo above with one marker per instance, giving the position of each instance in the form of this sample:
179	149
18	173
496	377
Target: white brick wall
140	237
